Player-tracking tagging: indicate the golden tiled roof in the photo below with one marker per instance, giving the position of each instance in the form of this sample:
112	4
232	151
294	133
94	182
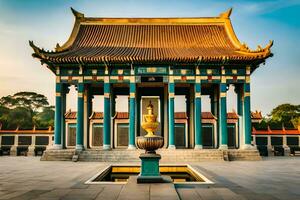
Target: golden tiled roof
130	40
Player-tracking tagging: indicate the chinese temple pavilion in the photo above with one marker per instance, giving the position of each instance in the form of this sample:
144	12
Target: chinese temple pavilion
153	59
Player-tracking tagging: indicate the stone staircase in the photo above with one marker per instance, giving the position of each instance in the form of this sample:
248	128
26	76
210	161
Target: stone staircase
238	154
58	155
168	156
191	155
115	155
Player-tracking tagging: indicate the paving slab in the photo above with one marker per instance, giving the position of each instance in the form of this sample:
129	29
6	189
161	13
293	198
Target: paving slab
208	194
163	191
134	191
188	194
82	194
29	195
110	192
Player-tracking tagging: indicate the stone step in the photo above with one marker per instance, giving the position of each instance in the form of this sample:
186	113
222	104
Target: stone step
178	155
244	155
57	155
167	155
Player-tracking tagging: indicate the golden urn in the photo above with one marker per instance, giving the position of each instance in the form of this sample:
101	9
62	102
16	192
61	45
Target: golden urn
150	142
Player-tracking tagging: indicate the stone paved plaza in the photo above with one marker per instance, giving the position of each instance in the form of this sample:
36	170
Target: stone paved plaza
29	178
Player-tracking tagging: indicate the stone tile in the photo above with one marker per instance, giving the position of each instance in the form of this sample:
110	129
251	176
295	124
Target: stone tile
227	194
12	194
188	194
110	192
134	191
29	195
56	193
207	194
163	191
79	186
82	194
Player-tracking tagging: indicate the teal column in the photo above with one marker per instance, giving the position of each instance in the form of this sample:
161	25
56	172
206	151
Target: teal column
106	117
198	123
214	101
131	142
239	94
223	117
247	115
64	92
80	117
58	115
171	90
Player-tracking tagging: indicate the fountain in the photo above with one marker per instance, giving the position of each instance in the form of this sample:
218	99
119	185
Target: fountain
150	171
150	159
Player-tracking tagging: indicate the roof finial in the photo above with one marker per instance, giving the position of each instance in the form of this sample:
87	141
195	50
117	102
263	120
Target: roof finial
268	46
57	46
226	15
77	14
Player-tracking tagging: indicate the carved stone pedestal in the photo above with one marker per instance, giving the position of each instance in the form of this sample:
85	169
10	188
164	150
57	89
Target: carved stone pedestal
150	169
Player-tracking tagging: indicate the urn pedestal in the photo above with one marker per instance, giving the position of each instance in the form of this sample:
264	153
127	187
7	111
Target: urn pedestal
150	159
150	142
150	169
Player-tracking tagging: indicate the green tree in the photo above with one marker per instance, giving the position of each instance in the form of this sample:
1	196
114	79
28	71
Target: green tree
45	118
25	109
296	122
4	116
19	117
285	114
30	100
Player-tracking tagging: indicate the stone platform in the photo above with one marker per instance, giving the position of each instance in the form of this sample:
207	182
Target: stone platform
168	156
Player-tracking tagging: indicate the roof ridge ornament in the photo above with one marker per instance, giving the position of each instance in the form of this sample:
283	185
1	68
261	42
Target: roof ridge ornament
226	14
77	14
37	51
244	47
57	46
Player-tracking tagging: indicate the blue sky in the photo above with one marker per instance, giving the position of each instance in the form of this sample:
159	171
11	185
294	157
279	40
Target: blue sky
49	22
